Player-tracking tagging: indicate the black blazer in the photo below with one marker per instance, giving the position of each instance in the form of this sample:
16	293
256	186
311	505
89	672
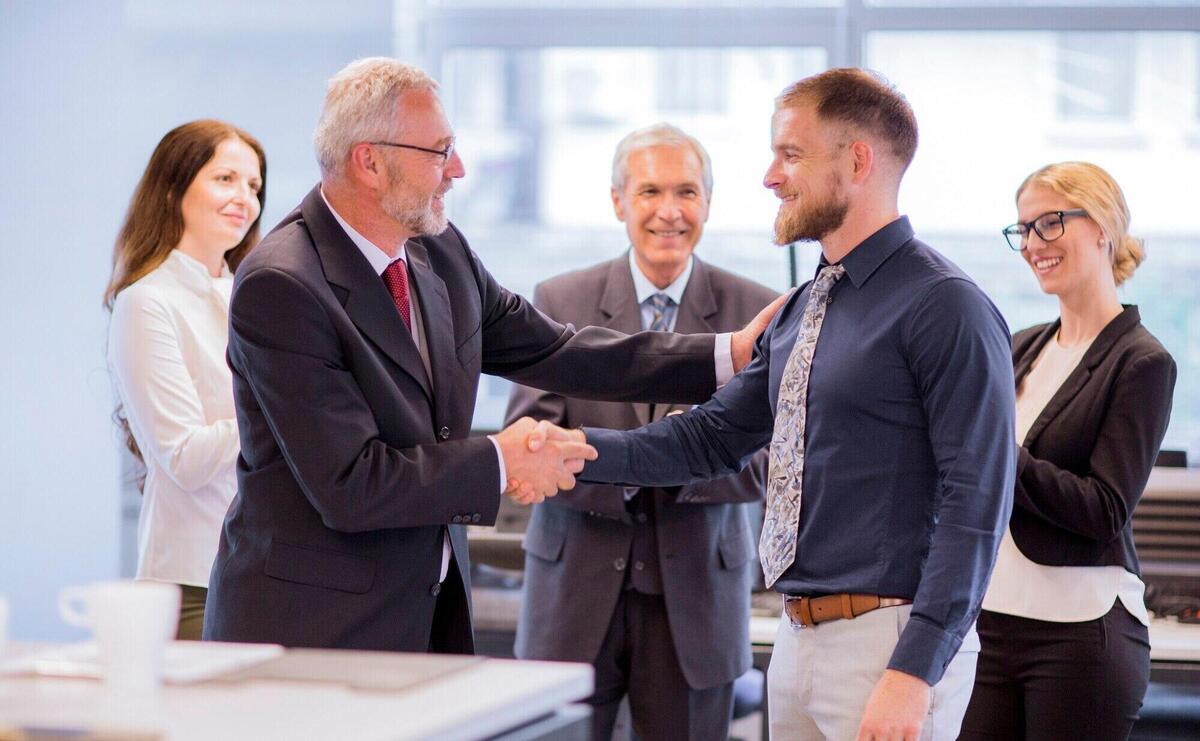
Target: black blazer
353	462
1086	459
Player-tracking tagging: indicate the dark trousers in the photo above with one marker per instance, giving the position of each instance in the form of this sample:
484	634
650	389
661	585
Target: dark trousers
638	659
1041	680
451	632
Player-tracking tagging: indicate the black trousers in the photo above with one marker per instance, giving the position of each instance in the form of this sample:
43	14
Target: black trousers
1040	680
451	632
638	658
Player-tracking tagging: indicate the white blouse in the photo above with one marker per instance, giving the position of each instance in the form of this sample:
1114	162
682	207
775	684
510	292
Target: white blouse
166	355
1059	594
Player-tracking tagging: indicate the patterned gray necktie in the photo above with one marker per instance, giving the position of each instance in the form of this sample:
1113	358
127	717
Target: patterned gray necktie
659	304
785	468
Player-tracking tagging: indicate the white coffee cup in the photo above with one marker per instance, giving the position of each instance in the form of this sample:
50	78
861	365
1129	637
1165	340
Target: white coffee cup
131	622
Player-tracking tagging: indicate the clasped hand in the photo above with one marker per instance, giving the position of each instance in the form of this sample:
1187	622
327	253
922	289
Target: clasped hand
541	458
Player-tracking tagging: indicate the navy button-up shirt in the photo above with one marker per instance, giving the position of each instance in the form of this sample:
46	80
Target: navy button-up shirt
909	445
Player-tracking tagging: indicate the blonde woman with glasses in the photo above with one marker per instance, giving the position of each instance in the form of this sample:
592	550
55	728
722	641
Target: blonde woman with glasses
1065	649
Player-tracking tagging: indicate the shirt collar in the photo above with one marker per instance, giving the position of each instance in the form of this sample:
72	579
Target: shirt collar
193	273
644	289
865	259
378	258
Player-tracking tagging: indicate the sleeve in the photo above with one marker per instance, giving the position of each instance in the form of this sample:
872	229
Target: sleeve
283	344
960	355
1099	504
714	439
524	401
525	346
159	396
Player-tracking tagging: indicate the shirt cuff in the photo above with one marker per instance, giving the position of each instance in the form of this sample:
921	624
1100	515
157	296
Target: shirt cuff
500	460
924	651
723	358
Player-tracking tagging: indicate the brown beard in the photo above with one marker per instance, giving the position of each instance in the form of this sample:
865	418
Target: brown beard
811	222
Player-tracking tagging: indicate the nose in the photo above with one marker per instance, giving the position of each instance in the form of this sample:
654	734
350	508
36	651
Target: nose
774	177
454	165
668	208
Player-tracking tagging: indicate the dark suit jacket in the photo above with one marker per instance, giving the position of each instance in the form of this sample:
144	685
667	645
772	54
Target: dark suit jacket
1087	457
352	461
705	543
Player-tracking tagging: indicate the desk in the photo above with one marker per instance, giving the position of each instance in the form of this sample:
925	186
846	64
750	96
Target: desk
474	699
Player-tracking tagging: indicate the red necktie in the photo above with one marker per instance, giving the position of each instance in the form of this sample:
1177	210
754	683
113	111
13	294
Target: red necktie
395	277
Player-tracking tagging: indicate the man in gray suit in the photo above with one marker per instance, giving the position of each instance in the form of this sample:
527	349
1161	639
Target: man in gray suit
666	573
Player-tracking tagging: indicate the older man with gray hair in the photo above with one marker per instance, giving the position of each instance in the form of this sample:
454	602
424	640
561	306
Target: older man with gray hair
649	585
358	331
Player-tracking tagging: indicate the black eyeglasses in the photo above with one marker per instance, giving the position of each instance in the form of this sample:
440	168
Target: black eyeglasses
443	153
1049	226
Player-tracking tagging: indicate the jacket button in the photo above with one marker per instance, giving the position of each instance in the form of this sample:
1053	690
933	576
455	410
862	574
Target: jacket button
619	564
639	566
641	517
456	519
435	590
444	433
476	517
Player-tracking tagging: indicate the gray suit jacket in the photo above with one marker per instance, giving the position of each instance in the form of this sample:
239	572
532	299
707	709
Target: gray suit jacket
577	543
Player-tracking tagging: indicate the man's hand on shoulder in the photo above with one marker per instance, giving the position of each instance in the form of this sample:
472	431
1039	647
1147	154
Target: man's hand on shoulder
541	458
741	345
897	709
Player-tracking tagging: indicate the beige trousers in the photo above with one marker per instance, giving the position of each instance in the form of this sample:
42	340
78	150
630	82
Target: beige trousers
820	678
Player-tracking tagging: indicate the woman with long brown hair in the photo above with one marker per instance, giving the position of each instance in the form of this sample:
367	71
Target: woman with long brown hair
193	217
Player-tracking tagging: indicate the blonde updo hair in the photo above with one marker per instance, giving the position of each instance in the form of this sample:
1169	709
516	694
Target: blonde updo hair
1089	187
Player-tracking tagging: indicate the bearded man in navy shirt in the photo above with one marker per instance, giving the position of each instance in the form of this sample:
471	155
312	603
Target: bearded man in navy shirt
884	389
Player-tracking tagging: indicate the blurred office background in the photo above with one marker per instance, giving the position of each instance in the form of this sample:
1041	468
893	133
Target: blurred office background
540	92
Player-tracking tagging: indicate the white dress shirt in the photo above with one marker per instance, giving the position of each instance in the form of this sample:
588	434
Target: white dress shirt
1059	594
166	355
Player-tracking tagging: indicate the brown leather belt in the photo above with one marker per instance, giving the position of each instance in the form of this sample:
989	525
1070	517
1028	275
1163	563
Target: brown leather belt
805	612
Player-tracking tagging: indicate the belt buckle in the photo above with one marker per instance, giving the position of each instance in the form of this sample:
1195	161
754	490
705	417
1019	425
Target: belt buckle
796	625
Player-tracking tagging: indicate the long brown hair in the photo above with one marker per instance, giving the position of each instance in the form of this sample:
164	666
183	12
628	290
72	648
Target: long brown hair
154	223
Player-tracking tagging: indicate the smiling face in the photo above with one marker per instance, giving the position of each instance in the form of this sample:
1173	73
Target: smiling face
664	206
417	181
1076	262
804	175
221	203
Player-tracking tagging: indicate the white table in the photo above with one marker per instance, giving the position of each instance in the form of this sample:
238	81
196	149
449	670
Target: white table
480	699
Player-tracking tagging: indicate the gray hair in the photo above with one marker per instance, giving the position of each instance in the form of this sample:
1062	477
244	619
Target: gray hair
658	135
360	105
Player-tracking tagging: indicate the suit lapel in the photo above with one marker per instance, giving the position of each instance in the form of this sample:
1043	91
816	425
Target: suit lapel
436	316
364	296
620	311
1075	382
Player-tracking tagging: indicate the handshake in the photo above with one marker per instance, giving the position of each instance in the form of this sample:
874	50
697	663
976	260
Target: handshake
540	458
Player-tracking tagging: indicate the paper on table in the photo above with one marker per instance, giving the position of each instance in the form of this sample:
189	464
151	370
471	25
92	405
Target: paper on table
183	662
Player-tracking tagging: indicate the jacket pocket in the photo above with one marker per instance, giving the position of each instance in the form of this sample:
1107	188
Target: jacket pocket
319	568
545	543
735	550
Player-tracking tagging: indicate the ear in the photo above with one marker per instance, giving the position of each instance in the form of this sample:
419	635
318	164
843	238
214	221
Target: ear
862	157
365	166
617	207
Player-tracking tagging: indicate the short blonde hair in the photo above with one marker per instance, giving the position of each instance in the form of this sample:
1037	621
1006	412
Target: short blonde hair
1091	188
360	105
658	135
